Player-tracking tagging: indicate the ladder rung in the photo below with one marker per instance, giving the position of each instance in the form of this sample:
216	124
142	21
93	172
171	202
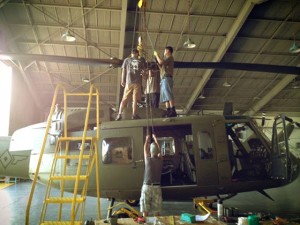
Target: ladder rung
72	156
64	200
81	177
81	94
75	138
61	223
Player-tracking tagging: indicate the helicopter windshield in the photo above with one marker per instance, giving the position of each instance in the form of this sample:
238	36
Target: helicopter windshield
249	156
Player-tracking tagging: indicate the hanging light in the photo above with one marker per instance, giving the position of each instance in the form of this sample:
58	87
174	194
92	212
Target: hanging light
226	84
189	43
68	37
295	85
85	80
294	48
202	96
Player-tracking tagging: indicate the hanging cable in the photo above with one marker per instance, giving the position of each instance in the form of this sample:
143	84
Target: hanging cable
143	27
149	100
152	46
134	27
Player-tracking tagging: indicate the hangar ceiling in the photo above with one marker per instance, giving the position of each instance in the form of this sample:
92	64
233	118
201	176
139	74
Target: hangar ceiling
228	31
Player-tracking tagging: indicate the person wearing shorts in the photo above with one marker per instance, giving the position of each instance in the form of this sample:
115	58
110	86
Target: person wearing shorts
132	70
166	84
151	197
152	89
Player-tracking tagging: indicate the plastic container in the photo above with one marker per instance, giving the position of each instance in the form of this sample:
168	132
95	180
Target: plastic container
220	208
253	220
242	221
188	218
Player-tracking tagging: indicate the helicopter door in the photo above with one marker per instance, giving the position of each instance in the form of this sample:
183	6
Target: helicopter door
206	166
122	164
281	162
224	170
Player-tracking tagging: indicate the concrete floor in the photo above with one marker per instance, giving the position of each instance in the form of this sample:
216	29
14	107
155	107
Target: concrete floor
13	203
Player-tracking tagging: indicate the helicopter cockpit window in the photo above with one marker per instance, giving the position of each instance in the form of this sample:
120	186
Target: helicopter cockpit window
243	137
117	150
205	145
248	154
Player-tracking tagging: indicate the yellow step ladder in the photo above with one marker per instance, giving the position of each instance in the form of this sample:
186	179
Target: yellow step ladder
76	182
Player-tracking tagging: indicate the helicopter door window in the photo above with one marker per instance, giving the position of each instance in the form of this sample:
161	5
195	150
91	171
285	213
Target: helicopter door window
167	145
117	150
205	145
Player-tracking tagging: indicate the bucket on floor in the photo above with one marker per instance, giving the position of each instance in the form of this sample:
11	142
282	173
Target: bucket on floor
253	220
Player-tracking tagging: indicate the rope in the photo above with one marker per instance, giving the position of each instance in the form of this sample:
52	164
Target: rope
143	25
135	18
152	46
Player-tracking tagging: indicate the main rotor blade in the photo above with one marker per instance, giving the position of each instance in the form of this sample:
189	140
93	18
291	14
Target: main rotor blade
60	59
117	63
240	66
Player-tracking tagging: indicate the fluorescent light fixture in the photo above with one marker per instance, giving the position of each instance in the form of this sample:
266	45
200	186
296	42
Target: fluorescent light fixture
189	44
68	37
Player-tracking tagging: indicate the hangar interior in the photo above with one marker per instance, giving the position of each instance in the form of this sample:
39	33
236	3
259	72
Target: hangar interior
228	31
33	42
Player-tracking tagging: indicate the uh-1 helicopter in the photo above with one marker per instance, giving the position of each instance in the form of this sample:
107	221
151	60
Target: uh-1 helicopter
206	155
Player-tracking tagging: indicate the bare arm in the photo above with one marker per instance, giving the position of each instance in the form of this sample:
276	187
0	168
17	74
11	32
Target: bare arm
146	147
159	60
123	79
156	142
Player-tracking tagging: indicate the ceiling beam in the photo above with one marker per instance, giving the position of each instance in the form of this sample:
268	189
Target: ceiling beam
121	47
231	34
17	65
282	84
270	95
37	43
